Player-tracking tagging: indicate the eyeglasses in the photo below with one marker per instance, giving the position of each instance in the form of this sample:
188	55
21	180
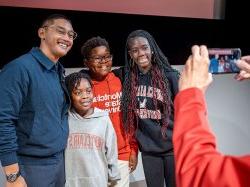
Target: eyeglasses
99	59
62	31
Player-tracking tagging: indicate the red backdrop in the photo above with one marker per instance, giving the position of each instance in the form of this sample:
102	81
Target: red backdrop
176	8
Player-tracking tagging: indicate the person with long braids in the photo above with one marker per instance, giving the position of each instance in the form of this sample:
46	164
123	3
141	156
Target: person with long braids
149	87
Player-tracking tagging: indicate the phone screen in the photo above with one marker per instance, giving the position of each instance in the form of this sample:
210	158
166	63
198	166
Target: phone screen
222	60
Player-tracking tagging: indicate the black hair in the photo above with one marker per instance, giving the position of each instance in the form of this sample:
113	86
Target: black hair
160	66
50	19
73	80
91	44
159	58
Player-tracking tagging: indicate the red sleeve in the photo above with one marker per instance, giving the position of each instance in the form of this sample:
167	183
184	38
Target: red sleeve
198	163
133	145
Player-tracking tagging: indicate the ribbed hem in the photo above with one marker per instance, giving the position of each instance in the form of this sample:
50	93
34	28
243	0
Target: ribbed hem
123	157
134	152
33	160
8	159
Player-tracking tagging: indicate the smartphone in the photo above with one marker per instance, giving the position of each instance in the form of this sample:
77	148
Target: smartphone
222	60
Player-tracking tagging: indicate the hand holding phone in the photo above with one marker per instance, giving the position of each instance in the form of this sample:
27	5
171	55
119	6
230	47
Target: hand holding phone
222	60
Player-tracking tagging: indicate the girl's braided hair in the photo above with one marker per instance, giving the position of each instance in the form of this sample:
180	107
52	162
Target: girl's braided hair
160	66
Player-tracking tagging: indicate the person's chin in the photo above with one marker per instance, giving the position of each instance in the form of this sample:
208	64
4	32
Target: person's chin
144	65
62	52
104	74
86	108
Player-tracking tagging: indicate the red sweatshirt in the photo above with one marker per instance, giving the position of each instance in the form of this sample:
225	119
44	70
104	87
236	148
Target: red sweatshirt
107	96
198	163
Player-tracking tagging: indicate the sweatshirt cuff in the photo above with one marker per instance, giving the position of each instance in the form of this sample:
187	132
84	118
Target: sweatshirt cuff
8	159
134	152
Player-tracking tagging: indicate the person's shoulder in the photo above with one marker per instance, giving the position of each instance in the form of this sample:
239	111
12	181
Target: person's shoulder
172	72
119	72
84	70
20	63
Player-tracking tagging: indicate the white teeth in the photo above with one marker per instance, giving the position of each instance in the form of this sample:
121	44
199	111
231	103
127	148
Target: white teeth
63	45
143	60
85	103
103	68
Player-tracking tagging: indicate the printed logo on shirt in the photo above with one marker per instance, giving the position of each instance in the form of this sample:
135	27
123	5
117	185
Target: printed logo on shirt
148	91
148	114
110	102
84	141
144	92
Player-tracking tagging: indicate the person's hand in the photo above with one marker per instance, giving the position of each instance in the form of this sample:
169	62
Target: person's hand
132	162
195	72
20	182
244	65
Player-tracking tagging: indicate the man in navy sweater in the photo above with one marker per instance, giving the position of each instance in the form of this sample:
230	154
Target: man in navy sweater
33	110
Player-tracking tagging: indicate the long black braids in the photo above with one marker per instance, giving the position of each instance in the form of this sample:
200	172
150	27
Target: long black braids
160	66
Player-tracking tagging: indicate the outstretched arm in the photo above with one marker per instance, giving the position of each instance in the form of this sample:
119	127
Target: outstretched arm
198	163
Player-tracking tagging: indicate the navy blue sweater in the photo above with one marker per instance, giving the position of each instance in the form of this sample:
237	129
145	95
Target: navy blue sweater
33	110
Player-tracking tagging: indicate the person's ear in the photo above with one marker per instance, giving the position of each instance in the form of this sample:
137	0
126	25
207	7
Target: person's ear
41	33
130	55
85	62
